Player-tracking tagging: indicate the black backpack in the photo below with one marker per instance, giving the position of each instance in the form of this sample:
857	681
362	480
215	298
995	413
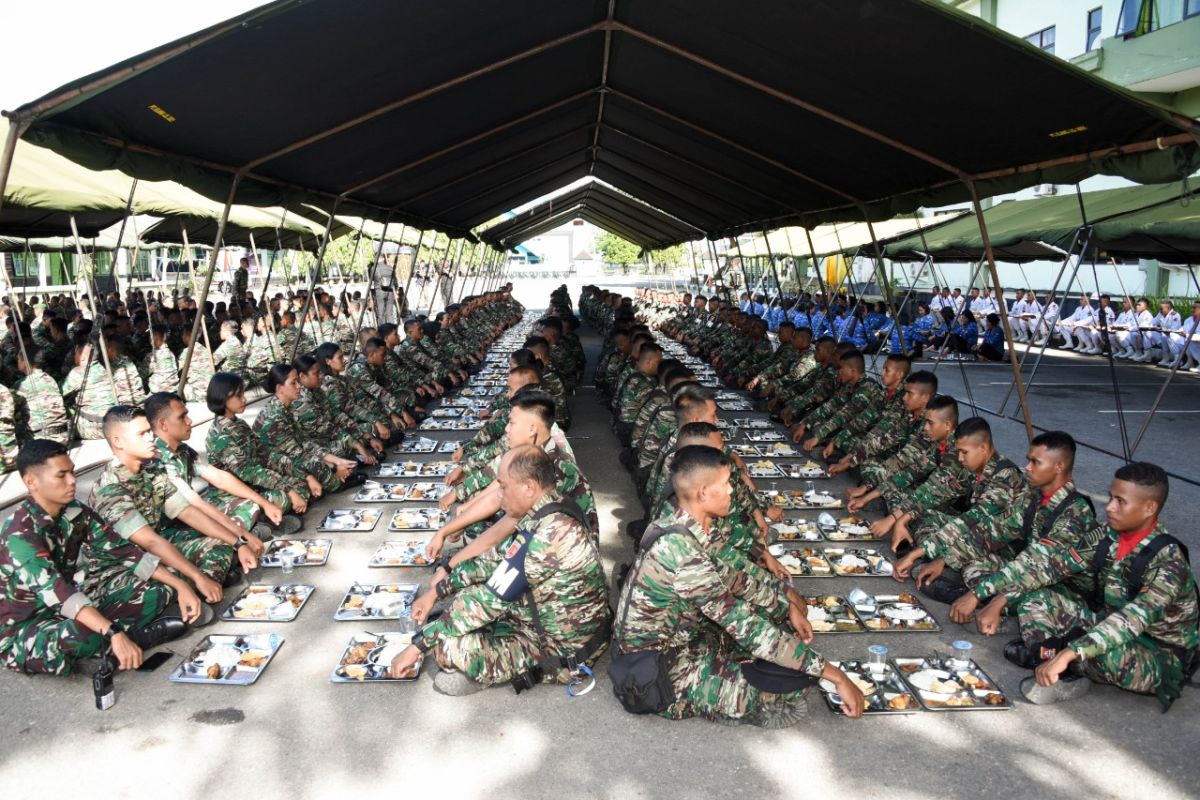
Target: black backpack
641	681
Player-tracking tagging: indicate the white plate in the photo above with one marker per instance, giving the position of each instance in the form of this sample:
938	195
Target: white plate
905	612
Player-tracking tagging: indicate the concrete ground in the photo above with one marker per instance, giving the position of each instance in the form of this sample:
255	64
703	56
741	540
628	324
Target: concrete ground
295	735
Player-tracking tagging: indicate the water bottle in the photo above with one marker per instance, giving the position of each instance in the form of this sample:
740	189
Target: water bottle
102	685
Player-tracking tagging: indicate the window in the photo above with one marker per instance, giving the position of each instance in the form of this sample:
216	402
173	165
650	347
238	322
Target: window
1191	8
1043	39
1094	23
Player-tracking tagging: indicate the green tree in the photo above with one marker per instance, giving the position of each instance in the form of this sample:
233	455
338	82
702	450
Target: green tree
615	250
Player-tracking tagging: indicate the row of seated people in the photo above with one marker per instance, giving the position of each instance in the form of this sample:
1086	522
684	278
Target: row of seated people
1114	602
166	530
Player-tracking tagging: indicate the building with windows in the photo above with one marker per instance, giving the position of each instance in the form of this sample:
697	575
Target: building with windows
1150	47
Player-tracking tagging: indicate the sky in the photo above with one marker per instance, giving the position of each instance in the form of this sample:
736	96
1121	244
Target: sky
50	42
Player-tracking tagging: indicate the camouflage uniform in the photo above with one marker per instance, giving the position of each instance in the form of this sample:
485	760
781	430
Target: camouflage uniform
553	385
374	382
164	370
276	426
98	396
913	467
41	413
429	368
200	373
786	355
241	279
676	602
571	481
489	633
232	446
7	431
818	387
1134	643
346	398
130	502
321	421
230	357
849	403
181	467
40	595
983	537
895	426
260	356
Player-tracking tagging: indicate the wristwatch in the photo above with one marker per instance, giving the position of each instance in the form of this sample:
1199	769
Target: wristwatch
113	629
241	540
418	641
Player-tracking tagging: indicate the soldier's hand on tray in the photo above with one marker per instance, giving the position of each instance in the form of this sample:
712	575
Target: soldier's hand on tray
457	455
404	662
455	477
774	513
905	565
880	527
772	565
900	535
853	702
800	624
433	550
838	468
449	499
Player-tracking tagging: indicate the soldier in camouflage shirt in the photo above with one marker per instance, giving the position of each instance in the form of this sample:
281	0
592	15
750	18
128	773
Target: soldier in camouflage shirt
162	367
40	411
262	350
230	355
895	427
135	495
200	371
539	600
980	538
98	393
69	585
1140	638
675	602
328	424
354	400
856	396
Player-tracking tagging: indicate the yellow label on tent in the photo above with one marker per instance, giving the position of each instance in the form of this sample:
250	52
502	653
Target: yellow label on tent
835	269
161	112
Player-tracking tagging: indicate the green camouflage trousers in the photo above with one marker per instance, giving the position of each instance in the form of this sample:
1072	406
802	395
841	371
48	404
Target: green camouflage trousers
51	644
243	511
980	565
213	557
708	683
1139	666
491	655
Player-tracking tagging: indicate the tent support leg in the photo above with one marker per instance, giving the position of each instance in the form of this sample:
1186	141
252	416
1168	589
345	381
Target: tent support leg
812	253
316	275
16	128
212	268
1008	339
362	311
1086	235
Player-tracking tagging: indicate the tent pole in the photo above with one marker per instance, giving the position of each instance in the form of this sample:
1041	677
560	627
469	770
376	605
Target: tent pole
1086	234
1174	368
718	276
887	295
812	254
695	270
257	263
212	269
16	128
745	275
120	236
412	269
199	307
774	272
316	273
1008	340
353	258
97	312
457	268
362	312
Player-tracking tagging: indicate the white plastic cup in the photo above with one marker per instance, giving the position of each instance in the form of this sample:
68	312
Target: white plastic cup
287	561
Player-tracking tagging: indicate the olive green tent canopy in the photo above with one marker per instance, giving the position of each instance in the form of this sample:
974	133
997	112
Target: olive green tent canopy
1044	227
637	94
271	228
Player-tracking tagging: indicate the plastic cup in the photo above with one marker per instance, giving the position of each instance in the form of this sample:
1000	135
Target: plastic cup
287	561
877	658
962	653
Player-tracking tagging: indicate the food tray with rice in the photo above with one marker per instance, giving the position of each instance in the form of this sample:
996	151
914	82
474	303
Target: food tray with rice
410	553
264	602
735	405
377	601
426	492
417	445
892	613
305	552
399	469
751	423
368	656
764	469
942	685
804	562
831	613
228	659
376	492
446	412
460	424
449	446
764	436
883	690
418	519
852	529
777	450
794	529
350	519
858	562
806	471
